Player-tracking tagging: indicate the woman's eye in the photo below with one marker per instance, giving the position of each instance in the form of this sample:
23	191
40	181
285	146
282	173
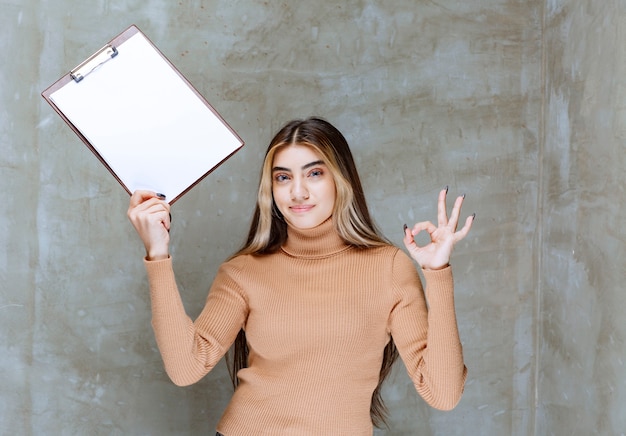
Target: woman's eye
316	173
281	177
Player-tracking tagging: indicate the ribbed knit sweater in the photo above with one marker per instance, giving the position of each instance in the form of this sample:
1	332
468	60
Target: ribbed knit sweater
317	315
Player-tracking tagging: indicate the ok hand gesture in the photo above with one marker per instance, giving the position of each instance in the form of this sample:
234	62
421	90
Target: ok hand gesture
436	254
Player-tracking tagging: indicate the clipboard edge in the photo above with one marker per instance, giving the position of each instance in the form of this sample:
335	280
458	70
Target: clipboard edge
193	89
65	79
199	179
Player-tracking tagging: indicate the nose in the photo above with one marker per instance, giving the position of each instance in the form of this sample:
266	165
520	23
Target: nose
299	190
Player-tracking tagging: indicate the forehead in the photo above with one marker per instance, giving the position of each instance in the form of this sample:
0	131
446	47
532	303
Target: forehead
295	156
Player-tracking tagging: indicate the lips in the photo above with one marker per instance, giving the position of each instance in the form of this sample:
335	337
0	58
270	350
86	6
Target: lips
301	208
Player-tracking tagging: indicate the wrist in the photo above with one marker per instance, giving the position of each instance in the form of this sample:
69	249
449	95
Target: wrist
439	268
157	254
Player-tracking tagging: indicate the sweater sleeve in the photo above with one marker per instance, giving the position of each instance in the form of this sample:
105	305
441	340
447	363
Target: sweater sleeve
427	337
191	349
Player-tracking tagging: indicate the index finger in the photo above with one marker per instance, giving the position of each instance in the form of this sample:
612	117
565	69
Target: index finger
139	196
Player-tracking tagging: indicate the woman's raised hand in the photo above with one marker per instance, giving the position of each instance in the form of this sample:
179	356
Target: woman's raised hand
436	254
150	215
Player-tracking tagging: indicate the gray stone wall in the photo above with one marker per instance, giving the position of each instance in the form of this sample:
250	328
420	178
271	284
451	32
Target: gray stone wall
518	104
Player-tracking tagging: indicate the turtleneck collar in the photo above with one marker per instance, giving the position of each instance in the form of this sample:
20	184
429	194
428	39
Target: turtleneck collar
318	242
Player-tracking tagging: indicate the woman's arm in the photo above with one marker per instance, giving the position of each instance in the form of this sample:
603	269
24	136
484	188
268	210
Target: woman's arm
189	349
427	337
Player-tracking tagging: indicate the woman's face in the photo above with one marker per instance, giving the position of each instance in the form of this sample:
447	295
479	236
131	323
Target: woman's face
303	187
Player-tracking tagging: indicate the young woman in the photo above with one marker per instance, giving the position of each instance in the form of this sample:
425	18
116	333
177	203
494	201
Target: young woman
325	302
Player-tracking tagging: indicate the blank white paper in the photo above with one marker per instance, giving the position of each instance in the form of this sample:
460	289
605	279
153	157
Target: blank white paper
149	126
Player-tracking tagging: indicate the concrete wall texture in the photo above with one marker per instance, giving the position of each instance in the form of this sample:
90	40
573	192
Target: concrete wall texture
518	104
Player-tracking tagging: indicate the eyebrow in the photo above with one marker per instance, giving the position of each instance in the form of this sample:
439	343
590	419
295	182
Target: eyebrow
309	165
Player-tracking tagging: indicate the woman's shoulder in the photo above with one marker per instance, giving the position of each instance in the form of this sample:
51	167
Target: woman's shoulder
384	253
384	249
241	269
246	261
393	256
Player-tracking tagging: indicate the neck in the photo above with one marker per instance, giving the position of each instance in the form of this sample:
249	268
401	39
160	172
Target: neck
318	242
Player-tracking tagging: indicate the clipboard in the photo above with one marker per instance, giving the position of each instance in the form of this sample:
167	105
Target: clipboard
142	118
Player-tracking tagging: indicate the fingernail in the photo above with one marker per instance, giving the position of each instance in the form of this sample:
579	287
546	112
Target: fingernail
171	217
473	216
405	227
446	189
161	196
463	196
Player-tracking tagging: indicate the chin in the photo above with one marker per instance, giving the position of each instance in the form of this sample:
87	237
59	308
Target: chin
304	225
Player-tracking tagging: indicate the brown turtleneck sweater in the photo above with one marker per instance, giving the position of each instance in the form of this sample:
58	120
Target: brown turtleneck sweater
317	316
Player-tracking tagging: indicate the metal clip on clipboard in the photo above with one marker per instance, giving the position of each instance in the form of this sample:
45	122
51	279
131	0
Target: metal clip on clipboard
103	55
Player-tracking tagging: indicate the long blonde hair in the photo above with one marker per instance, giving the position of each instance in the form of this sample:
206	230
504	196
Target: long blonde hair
351	217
